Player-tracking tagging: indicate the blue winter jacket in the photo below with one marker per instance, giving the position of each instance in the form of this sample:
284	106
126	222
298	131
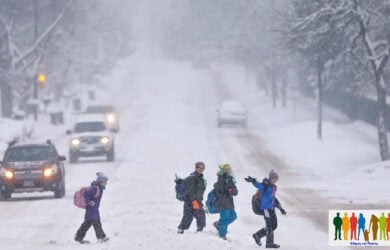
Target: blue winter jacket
92	212
268	199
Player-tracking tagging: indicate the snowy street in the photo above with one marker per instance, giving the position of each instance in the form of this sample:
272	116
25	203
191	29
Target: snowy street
168	121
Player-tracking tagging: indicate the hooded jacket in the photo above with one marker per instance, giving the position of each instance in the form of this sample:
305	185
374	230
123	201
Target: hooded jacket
92	212
225	189
267	199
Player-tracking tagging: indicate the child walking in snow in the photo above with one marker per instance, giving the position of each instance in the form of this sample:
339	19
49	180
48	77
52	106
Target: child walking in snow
268	202
93	197
225	189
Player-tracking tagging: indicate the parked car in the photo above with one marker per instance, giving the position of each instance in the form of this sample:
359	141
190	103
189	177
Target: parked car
109	113
232	112
90	137
31	167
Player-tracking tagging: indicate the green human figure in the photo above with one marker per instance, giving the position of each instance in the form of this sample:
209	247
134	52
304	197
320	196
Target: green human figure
374	222
346	226
337	222
382	227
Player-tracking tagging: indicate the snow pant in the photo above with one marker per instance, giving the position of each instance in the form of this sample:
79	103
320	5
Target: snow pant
271	223
226	217
97	225
189	213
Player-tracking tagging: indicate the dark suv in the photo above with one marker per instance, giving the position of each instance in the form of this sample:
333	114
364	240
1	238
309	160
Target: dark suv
30	168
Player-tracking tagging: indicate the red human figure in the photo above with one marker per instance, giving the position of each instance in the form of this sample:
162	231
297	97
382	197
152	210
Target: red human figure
353	224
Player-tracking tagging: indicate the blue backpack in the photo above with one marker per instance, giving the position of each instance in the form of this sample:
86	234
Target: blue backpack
211	202
180	188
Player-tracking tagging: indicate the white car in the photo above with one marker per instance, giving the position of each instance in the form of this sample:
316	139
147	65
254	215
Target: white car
90	137
111	116
232	112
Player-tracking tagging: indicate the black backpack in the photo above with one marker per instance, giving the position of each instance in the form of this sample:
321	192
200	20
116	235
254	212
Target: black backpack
256	199
180	188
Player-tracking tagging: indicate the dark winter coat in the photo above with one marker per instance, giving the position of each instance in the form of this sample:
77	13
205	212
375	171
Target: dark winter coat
225	189
195	187
268	199
92	212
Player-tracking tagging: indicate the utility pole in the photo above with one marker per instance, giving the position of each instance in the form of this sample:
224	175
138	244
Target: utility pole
35	81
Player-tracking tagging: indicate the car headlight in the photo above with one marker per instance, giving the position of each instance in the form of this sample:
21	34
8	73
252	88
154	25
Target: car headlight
111	118
49	170
75	142
6	173
104	140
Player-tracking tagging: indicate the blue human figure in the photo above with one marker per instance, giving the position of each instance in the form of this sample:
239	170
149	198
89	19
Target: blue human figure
361	223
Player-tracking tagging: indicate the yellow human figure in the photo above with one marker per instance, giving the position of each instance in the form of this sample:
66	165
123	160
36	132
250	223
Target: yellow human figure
345	226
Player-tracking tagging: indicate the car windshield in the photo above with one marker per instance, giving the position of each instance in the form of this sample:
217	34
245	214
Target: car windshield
30	153
233	107
100	109
83	127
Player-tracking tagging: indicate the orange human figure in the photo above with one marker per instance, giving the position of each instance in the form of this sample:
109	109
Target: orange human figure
353	225
345	226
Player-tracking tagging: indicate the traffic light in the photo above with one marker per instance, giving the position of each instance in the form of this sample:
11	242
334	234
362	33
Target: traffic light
41	80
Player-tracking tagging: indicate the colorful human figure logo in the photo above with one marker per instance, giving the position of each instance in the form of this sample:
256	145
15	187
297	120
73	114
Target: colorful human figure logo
382	227
353	226
359	228
337	222
345	226
362	224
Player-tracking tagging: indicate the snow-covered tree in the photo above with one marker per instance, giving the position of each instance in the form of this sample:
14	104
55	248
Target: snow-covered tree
70	41
326	31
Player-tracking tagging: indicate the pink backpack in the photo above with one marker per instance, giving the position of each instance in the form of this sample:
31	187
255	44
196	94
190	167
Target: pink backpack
79	198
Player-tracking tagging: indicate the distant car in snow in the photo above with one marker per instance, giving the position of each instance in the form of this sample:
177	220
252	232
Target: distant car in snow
90	137
232	112
109	113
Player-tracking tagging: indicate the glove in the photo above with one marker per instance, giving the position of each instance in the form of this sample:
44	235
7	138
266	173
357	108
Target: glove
250	179
91	203
230	191
283	211
195	205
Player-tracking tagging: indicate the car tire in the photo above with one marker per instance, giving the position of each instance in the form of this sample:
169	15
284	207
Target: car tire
73	157
6	195
60	191
111	155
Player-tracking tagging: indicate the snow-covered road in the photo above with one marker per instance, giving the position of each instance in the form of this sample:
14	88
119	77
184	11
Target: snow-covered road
168	121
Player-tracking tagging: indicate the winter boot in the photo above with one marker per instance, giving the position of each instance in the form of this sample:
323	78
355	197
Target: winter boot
223	237
81	241
257	239
103	239
199	229
180	231
272	245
